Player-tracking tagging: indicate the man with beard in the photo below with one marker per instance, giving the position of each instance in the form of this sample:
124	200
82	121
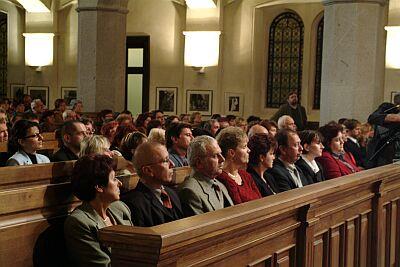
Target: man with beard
292	108
72	134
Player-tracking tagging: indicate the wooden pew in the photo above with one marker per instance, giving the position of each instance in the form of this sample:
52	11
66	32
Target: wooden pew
32	198
349	221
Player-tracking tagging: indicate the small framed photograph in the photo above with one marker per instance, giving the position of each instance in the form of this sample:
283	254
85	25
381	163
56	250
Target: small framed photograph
39	92
200	101
392	94
234	104
17	91
166	99
69	94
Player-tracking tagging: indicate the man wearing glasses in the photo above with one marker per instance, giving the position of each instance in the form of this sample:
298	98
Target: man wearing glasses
152	202
201	192
72	134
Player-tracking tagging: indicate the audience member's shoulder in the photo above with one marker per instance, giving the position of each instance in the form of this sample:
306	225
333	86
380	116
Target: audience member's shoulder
43	158
120	206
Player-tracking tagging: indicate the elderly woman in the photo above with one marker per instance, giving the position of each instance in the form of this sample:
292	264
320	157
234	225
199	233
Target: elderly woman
261	158
240	185
25	141
94	183
96	144
157	135
334	160
312	148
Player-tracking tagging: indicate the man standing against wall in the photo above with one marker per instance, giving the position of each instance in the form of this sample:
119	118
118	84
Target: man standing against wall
292	108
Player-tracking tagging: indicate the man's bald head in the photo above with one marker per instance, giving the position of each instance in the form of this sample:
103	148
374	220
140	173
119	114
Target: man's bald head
146	154
257	129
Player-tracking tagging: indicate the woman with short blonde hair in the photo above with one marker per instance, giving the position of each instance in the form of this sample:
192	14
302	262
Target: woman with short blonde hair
96	144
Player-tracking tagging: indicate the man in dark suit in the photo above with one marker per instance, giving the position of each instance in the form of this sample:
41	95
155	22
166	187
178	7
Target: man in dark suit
351	145
152	202
72	134
287	175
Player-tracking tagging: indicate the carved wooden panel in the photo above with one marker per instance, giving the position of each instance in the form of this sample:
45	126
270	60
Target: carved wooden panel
365	239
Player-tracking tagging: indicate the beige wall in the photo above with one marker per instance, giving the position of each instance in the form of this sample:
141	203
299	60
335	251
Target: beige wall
164	22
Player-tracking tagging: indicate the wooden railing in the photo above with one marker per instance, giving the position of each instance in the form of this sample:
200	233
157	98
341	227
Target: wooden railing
348	221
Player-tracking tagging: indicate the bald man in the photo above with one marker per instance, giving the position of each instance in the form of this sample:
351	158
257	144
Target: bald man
286	122
152	202
257	129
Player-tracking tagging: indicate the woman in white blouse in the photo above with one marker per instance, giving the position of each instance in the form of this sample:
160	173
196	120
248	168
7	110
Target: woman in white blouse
312	148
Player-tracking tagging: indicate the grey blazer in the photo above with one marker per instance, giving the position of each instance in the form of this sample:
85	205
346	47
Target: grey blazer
21	158
198	196
80	231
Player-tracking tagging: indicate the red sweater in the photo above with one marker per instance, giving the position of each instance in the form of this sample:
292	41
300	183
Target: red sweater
240	193
334	167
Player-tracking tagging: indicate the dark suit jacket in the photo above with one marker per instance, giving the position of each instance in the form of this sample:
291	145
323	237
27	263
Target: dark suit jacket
283	178
309	173
64	154
147	209
355	150
267	188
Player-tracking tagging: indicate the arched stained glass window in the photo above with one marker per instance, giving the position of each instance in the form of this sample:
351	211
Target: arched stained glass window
318	65
285	58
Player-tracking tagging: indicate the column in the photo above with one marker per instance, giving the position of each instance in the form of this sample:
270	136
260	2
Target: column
101	54
353	59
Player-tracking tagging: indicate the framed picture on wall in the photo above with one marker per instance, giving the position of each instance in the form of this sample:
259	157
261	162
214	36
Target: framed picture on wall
167	99
199	101
69	94
392	94
234	104
17	91
39	92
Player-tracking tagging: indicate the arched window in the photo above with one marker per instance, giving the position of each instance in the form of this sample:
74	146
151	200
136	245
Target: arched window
285	58
318	64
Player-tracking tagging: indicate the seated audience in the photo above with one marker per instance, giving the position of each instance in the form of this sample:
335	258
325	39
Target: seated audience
27	100
157	135
141	122
312	148
253	118
261	157
184	118
241	123
201	192
153	124
223	123
94	183
72	134
257	129
31	117
334	160
169	120
286	174
109	130
231	120
25	141
271	126
158	115
212	126
286	122
351	145
69	115
96	144
130	142
178	137
48	122
124	120
120	133
152	202
241	187
37	107
195	119
78	109
59	107
3	131
90	129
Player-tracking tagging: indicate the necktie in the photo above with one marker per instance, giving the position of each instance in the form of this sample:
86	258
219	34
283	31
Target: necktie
217	190
165	199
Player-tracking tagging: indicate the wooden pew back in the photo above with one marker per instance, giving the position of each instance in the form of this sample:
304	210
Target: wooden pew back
31	199
50	143
349	221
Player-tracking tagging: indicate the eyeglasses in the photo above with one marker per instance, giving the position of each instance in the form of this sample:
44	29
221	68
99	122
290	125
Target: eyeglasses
164	161
36	135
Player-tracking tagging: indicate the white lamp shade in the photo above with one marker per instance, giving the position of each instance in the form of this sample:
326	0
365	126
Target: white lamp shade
201	48
38	49
392	47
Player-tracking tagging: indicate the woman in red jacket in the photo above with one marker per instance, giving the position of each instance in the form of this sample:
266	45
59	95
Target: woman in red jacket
334	160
